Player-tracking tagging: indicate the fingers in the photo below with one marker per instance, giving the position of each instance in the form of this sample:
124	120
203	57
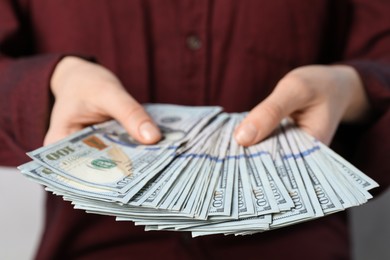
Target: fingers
260	122
58	130
87	93
121	106
132	116
54	135
289	95
61	124
318	122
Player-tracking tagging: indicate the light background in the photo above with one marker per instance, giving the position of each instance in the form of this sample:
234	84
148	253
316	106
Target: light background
21	219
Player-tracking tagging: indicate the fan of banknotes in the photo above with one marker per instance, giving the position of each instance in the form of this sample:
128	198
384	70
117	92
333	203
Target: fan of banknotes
197	178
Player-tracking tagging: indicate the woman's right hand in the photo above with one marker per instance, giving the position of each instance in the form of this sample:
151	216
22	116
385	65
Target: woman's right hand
87	93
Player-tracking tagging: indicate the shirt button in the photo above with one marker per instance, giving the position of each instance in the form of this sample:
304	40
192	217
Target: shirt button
193	42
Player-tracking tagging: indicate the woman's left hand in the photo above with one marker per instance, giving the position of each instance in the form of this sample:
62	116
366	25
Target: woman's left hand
317	97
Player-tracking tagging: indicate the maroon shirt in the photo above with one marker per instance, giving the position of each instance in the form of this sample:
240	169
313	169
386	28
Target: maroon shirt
192	52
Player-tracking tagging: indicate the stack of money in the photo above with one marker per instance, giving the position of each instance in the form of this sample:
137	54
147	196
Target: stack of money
197	178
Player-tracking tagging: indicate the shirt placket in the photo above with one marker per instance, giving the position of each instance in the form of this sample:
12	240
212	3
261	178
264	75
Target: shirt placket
193	27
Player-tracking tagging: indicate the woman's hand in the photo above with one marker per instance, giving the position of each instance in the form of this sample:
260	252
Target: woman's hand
317	97
87	93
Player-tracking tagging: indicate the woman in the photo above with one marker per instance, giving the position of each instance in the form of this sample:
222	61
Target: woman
67	64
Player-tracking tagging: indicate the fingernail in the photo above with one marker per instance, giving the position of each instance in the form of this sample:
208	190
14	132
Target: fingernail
246	134
149	132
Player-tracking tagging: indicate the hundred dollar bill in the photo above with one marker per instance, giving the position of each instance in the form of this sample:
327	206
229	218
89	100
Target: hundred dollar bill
293	156
217	152
246	206
184	195
106	156
163	185
223	194
346	192
187	190
218	157
255	223
176	195
236	198
355	193
206	156
325	194
264	150
47	177
302	209
190	205
158	189
198	178
263	196
360	178
283	199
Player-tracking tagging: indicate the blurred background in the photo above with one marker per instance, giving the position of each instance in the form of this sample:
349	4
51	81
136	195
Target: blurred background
22	204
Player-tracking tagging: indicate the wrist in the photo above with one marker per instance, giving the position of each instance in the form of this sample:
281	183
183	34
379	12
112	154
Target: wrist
358	106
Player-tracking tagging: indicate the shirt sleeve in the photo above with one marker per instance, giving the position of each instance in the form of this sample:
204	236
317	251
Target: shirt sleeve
25	99
368	51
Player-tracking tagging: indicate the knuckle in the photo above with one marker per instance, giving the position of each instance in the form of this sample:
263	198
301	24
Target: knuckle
299	86
135	112
274	111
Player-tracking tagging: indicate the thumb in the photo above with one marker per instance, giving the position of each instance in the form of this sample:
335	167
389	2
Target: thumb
132	116
266	116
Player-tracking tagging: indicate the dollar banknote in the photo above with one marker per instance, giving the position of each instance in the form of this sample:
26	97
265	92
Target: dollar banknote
198	178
